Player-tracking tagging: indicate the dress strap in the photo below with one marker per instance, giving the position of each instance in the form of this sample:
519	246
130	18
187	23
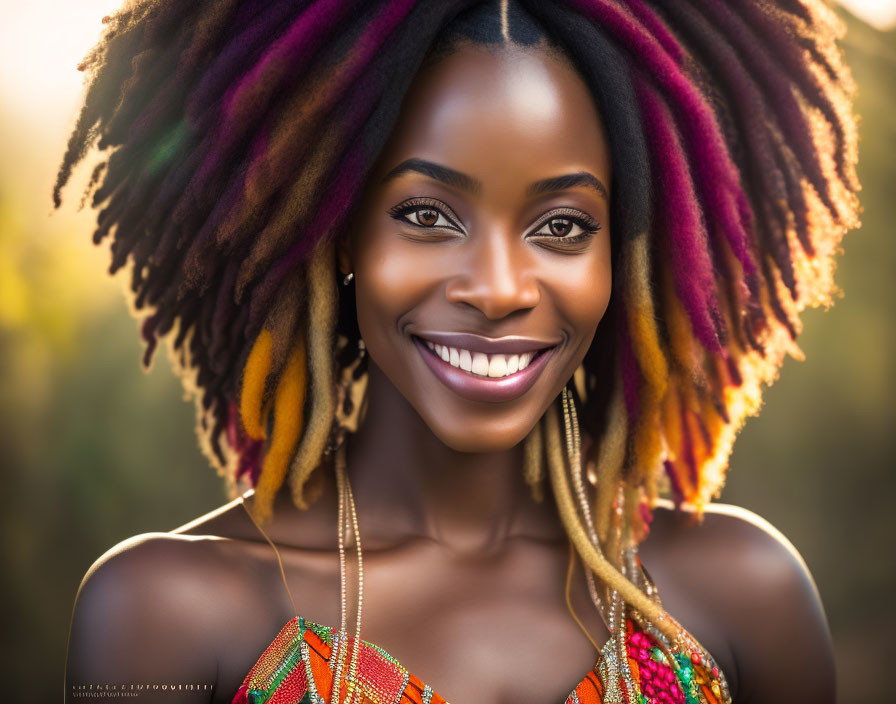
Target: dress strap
242	501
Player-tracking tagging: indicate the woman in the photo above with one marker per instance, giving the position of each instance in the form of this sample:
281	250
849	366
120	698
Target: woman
412	257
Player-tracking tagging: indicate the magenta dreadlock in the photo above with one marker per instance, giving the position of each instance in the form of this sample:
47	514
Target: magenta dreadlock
240	133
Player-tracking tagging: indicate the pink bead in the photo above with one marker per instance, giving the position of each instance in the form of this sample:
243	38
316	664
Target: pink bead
675	689
652	665
715	672
649	690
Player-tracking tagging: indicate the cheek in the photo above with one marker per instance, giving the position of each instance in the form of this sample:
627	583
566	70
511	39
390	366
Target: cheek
390	279
582	294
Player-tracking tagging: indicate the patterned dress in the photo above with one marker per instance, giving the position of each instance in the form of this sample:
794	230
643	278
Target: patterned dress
297	669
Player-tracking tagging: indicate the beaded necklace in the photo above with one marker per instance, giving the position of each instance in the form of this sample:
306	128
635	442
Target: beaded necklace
348	527
679	657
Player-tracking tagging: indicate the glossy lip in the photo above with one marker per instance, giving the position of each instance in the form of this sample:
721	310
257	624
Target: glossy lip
482	388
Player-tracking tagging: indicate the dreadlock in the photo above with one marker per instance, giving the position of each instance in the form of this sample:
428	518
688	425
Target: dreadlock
239	136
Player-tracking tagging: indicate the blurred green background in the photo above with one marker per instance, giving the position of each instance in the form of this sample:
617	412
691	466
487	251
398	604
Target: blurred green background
92	450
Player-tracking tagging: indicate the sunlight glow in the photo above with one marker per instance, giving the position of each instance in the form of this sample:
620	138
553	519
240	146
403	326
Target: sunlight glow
878	13
41	44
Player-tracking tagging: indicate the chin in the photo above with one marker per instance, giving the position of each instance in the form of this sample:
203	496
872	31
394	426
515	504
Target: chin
476	438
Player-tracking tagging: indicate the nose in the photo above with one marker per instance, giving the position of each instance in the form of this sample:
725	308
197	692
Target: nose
497	279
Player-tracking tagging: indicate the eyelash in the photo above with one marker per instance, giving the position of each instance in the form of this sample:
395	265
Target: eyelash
588	224
399	211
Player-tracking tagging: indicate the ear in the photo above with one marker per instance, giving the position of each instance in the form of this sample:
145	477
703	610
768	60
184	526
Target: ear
344	255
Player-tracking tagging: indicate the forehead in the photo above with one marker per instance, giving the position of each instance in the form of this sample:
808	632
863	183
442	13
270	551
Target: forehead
501	116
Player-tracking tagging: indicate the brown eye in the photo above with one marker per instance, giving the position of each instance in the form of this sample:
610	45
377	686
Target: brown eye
426	214
428	217
567	226
560	227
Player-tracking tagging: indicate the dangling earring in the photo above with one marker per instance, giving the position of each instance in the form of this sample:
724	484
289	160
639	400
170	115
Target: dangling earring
348	278
351	388
612	608
574	453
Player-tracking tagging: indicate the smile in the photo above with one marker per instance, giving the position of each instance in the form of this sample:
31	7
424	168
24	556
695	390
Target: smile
484	369
495	366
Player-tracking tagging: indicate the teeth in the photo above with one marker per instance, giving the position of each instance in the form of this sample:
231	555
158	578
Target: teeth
495	366
466	361
480	364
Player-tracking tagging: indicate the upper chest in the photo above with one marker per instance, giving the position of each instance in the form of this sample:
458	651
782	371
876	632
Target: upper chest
494	629
491	628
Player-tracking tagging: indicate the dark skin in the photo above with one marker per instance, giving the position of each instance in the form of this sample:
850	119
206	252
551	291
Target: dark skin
464	571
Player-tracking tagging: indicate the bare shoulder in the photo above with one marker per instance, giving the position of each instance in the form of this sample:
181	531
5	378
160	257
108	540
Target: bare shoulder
143	618
754	584
723	528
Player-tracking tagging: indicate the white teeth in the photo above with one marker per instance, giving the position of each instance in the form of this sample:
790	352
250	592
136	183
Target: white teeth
495	366
480	364
466	361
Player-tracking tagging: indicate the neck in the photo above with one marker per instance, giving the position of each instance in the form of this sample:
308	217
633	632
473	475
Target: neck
407	483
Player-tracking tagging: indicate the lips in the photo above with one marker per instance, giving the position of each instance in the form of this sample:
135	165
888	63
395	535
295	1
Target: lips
484	369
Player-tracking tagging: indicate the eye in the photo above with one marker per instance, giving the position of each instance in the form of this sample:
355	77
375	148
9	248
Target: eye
425	213
566	226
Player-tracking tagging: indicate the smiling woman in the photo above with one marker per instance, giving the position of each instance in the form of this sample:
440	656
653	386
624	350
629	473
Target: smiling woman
567	247
470	264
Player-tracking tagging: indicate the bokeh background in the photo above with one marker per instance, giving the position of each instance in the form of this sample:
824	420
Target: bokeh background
93	450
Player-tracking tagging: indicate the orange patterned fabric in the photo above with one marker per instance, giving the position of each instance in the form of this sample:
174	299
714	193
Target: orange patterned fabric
296	668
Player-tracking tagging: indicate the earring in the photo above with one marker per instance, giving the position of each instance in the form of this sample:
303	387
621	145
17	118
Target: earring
348	278
574	453
612	608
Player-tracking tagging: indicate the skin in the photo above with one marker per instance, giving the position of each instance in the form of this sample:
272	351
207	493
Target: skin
462	567
497	274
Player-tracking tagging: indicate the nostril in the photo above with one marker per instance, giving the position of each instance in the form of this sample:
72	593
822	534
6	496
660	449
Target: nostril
494	299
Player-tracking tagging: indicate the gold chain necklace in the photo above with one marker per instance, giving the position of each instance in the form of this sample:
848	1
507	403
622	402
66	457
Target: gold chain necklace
348	524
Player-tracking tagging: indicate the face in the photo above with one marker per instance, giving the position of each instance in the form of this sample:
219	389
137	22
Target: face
481	251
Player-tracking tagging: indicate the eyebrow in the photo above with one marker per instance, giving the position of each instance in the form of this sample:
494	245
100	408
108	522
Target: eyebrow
561	183
467	183
438	172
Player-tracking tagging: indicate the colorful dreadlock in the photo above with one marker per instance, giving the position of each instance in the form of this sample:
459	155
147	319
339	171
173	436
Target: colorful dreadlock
240	134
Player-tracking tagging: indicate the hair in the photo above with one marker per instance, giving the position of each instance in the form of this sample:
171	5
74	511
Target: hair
240	134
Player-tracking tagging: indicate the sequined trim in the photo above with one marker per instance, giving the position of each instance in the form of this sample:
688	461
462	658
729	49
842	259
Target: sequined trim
404	686
312	686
